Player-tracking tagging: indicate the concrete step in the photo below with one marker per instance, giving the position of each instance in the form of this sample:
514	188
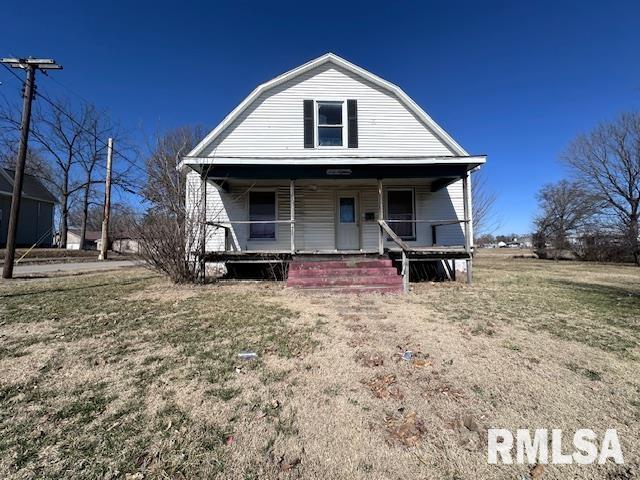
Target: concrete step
343	272
345	280
347	275
360	289
360	263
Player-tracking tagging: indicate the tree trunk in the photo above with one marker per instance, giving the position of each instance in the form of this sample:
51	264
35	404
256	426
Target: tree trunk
64	215
633	238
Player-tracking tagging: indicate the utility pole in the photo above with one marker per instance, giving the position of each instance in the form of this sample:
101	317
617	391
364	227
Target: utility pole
30	65
104	239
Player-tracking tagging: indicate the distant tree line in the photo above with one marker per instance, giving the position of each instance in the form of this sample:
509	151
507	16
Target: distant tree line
594	214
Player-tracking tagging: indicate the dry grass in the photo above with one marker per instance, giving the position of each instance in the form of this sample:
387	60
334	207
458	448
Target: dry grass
118	374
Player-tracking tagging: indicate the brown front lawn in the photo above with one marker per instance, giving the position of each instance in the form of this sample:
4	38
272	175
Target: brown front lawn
122	375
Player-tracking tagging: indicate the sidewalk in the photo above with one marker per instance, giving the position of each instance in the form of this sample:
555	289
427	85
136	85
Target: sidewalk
75	267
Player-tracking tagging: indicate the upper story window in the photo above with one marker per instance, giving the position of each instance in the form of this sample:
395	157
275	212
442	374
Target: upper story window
330	123
330	120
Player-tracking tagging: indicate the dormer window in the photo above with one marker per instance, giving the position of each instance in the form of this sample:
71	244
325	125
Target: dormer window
330	124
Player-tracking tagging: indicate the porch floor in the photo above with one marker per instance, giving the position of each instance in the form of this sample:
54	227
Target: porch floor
419	253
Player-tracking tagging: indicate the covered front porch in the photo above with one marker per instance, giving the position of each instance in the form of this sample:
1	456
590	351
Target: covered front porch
409	213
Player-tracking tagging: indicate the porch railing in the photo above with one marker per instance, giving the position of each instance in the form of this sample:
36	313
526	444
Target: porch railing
383	224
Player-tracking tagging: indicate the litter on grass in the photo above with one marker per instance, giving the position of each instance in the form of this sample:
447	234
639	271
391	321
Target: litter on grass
248	355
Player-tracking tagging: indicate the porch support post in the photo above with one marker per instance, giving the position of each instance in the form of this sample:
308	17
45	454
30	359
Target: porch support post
405	272
292	206
380	217
203	224
467	226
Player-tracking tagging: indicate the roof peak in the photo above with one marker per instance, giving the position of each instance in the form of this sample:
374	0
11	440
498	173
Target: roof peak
355	69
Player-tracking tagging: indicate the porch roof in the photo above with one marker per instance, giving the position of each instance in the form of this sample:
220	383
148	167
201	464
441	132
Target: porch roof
337	168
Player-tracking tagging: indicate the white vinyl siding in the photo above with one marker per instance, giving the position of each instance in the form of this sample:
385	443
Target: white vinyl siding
316	211
273	124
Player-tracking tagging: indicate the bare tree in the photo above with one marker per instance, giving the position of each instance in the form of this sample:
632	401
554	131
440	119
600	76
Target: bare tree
60	135
483	202
565	209
606	162
68	152
92	156
170	231
120	217
36	163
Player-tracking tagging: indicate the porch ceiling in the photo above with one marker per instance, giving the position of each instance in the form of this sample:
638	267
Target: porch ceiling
440	173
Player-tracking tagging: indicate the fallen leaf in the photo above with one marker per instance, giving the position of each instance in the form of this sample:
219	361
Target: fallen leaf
420	363
536	472
289	465
384	386
408	429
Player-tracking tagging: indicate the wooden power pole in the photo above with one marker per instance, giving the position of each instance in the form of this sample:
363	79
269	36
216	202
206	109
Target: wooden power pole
104	239
30	65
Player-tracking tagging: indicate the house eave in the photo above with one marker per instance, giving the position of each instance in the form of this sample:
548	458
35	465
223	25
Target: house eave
330	169
472	160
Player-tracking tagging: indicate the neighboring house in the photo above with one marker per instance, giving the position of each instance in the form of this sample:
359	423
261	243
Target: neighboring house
125	242
35	224
91	241
331	160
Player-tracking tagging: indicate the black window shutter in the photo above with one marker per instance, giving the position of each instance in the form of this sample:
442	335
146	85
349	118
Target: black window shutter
308	123
352	114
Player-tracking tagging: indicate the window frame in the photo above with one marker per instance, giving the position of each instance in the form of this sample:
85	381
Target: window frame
344	125
413	236
248	210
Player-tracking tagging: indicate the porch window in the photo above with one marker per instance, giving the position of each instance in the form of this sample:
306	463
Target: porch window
400	206
330	124
262	207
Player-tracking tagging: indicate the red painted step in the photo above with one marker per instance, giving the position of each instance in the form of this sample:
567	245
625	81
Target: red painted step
357	271
345	276
353	290
314	264
347	281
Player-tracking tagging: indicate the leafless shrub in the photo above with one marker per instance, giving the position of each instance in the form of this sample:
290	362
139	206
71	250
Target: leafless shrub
171	231
483	201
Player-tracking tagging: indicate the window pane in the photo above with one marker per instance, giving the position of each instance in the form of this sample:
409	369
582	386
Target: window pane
347	210
329	114
400	207
262	206
330	136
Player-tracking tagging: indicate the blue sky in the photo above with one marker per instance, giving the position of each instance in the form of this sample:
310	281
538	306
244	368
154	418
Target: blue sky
513	80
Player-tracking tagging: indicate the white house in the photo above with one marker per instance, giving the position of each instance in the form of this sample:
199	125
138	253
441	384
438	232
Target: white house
331	162
91	241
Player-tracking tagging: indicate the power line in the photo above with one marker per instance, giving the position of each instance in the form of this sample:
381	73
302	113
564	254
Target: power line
78	124
30	65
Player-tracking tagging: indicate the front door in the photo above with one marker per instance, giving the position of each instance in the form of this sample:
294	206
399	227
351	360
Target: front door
348	225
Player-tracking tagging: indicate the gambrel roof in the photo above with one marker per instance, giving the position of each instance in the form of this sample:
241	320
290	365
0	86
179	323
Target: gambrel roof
356	70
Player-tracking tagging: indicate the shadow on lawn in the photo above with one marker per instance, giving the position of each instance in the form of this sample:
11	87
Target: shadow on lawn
88	286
